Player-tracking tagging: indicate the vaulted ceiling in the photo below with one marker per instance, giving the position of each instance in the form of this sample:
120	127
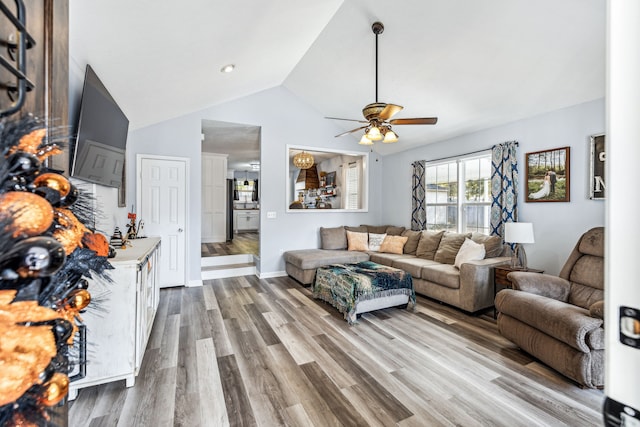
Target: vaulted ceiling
472	63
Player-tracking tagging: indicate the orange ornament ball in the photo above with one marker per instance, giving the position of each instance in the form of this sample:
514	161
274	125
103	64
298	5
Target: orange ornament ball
79	300
31	214
96	242
54	181
55	389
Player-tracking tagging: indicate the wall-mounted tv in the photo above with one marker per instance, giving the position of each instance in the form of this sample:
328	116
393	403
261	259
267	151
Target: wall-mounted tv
99	152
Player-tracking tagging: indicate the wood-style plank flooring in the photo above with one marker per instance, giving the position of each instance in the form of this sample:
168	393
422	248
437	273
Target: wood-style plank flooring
249	352
246	242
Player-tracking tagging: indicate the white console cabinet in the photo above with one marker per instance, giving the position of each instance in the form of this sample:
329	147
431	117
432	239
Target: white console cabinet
120	316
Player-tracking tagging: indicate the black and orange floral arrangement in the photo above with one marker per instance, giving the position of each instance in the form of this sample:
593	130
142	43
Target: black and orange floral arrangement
47	251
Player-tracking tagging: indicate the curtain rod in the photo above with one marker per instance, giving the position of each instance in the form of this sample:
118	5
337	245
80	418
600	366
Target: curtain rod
463	154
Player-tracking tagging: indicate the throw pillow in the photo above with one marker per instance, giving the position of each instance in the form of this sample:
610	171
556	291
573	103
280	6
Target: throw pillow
357	241
375	240
492	244
428	245
449	247
377	229
469	251
333	238
412	241
393	244
392	230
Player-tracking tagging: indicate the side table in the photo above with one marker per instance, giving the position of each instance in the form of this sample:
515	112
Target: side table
500	279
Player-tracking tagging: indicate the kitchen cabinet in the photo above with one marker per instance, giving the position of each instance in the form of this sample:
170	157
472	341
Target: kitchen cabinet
246	219
119	319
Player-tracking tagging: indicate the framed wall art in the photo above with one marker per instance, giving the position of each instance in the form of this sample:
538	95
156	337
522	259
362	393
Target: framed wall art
548	176
597	187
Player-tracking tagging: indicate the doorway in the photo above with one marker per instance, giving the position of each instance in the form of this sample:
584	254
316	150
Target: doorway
163	204
231	196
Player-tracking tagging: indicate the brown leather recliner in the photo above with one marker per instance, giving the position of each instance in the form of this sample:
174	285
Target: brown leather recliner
560	320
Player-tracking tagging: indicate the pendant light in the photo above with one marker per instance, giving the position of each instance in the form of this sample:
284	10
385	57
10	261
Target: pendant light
303	160
246	181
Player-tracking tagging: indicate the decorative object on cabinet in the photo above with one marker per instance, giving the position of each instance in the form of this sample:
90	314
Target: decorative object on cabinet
548	176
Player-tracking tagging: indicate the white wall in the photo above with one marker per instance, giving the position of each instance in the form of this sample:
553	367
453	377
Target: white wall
284	119
557	226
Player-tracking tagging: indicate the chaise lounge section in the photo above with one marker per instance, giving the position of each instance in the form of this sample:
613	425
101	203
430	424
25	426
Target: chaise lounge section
430	257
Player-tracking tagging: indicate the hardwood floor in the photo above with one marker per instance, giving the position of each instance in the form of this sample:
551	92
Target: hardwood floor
249	352
246	242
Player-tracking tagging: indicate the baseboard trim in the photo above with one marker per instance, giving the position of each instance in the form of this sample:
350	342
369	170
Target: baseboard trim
271	274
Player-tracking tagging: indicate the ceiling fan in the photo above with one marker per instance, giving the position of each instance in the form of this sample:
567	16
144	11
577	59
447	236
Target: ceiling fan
378	114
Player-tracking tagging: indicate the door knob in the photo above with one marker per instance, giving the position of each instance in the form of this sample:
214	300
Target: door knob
180	230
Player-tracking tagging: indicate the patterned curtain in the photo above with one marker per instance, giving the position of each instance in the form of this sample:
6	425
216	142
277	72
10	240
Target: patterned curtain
504	186
418	202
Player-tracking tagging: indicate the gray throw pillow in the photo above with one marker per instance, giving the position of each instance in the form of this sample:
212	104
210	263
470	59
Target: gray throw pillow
449	247
358	229
392	230
492	244
333	238
412	243
429	243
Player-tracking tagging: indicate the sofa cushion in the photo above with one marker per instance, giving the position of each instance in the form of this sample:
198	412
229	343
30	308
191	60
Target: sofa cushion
492	244
566	322
393	244
357	241
333	238
385	258
377	229
428	245
469	251
442	274
358	229
412	265
449	246
306	259
375	241
392	230
412	243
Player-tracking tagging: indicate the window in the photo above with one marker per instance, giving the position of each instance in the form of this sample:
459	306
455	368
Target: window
352	187
469	177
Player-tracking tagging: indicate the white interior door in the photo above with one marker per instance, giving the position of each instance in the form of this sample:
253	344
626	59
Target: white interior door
214	197
162	205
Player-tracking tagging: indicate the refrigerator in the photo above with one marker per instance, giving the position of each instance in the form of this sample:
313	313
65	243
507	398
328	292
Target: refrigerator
232	195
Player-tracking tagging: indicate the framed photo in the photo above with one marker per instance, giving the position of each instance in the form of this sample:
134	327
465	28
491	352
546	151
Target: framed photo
548	176
331	179
597	187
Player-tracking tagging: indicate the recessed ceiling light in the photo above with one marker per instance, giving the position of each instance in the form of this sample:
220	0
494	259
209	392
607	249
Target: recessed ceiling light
227	68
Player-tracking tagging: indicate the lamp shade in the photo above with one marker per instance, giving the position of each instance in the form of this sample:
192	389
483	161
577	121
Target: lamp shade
303	160
518	232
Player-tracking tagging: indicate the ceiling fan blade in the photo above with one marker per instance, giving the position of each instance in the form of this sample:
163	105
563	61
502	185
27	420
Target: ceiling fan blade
389	111
415	121
351	131
348	120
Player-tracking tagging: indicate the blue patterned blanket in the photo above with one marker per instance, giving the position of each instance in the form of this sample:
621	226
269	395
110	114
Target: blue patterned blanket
344	285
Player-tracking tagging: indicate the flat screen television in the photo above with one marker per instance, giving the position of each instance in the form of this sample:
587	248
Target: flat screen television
99	151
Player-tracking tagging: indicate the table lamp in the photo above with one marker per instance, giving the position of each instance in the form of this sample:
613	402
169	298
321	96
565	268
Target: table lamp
518	233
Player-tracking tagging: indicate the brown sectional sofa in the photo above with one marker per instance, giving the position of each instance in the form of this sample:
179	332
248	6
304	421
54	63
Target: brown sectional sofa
427	256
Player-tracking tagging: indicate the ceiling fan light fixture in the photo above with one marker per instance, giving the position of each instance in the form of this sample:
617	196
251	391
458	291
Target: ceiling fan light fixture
374	134
365	141
303	160
390	137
